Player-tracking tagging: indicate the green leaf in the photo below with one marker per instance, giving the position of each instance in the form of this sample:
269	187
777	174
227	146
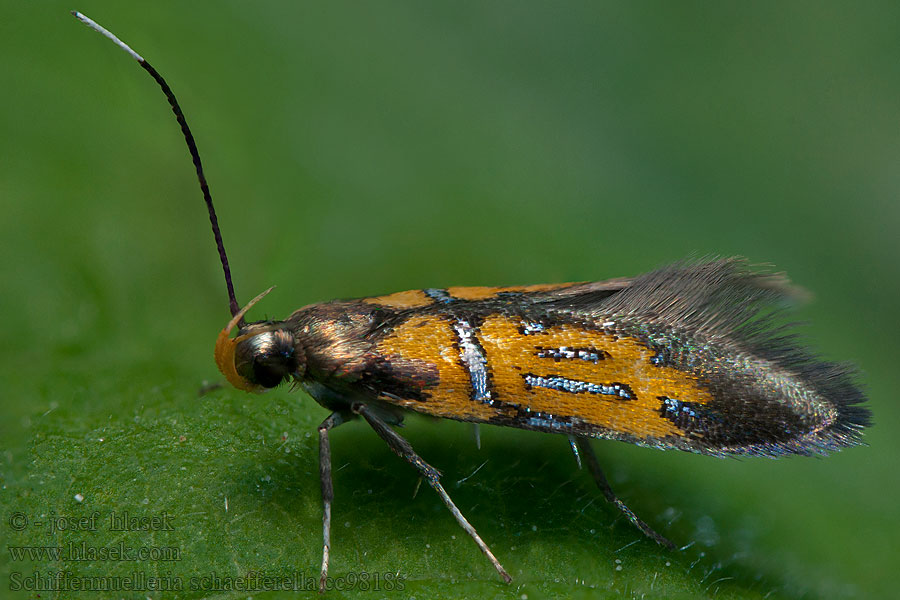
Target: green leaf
232	483
364	149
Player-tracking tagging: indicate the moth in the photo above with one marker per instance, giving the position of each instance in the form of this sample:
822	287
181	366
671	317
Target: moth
694	356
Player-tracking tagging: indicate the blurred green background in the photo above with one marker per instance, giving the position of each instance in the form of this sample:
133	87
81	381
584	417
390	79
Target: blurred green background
362	148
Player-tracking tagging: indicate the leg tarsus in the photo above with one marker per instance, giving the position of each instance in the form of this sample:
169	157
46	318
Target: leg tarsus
584	445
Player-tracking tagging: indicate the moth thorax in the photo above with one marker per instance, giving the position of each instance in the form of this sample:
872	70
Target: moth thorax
269	358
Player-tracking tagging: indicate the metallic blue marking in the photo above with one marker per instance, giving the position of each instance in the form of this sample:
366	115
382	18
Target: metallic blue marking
674	409
574	386
439	295
472	357
565	352
548	422
536	418
532	328
689	416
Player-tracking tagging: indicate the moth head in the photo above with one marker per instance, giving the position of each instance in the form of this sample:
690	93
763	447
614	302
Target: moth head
261	356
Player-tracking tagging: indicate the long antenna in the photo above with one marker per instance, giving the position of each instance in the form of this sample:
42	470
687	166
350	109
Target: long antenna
192	147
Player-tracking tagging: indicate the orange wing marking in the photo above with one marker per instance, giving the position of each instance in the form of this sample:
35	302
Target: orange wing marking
513	357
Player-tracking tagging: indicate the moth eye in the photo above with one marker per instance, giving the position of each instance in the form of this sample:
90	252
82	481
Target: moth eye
267	359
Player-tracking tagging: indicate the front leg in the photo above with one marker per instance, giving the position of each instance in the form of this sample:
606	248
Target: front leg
333	420
402	448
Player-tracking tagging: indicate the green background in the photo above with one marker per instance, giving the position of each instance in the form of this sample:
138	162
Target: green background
362	148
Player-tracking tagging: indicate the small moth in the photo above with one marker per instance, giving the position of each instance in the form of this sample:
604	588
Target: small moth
690	357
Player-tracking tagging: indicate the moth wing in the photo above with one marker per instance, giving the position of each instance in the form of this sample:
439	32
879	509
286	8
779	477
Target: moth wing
721	323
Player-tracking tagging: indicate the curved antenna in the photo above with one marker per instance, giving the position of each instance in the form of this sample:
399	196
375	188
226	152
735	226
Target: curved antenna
192	147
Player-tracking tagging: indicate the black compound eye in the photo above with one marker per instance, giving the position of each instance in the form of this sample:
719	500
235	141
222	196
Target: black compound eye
267	359
273	367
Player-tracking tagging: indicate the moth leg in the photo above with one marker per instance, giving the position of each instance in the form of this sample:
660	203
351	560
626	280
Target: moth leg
403	449
584	445
333	420
573	443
